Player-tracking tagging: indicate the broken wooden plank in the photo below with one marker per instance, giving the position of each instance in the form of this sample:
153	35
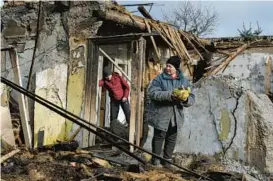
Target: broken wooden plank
24	114
161	35
102	162
72	137
268	72
9	155
118	67
228	60
153	41
187	38
111	159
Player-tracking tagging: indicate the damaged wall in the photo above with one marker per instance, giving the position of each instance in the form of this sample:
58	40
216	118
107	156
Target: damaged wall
7	136
62	39
227	120
249	68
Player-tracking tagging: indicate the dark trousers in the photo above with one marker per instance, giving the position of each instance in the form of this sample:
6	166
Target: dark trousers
145	131
170	141
115	109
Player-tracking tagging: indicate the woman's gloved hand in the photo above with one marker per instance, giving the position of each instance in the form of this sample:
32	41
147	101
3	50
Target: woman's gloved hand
181	94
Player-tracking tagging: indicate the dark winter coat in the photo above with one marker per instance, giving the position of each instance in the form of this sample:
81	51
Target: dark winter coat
162	107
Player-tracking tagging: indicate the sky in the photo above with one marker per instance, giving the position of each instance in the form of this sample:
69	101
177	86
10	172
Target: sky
231	14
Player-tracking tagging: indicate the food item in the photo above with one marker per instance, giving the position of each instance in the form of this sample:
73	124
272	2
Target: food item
182	94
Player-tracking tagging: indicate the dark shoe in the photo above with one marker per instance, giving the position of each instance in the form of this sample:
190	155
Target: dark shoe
156	162
166	164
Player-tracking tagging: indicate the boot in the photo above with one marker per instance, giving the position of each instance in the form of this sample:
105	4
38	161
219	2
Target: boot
156	162
166	164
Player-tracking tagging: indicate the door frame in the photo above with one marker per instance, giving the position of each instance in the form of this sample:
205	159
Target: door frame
137	50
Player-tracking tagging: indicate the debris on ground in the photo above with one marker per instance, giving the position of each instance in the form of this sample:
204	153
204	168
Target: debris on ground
87	165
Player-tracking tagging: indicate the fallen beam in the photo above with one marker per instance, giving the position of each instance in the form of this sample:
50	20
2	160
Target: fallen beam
9	155
228	60
144	12
144	4
24	114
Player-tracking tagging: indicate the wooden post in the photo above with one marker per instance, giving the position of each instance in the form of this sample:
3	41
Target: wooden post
100	67
268	72
139	90
24	115
94	91
87	105
137	61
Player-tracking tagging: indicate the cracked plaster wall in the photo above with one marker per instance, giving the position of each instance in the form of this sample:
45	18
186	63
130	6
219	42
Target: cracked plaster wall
62	40
225	120
210	126
222	121
49	126
249	68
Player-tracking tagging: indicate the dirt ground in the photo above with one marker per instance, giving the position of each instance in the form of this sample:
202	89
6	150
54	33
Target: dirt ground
81	165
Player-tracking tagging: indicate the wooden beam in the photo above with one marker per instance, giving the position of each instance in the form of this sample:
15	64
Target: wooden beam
268	72
87	98
162	36
24	114
153	41
141	63
144	4
144	12
133	96
9	155
118	67
137	61
94	91
229	59
74	134
119	18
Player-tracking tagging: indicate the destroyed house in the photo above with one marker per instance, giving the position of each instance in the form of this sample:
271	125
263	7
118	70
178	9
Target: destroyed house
71	50
75	40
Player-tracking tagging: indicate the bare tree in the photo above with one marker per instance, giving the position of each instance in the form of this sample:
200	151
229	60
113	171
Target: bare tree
200	20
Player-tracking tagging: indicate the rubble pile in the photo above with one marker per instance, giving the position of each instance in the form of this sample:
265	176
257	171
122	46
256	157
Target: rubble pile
84	165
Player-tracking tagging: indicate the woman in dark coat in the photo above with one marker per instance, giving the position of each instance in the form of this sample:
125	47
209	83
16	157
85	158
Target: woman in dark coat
165	111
